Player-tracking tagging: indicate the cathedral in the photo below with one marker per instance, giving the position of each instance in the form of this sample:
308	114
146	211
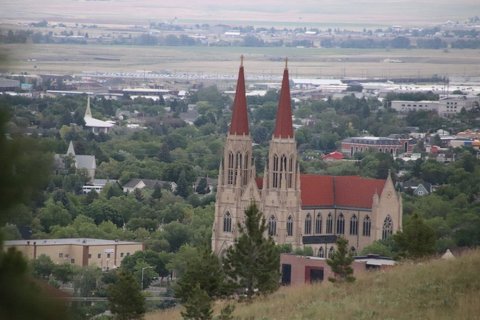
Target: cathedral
300	209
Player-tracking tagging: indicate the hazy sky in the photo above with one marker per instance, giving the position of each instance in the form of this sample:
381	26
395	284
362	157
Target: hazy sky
374	12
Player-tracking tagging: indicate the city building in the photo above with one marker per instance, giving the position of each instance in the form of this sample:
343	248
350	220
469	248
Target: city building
300	209
299	270
96	125
394	146
106	254
79	161
445	107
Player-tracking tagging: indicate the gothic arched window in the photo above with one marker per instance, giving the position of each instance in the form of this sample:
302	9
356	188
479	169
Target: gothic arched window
367	226
354	225
340	224
318	223
353	251
276	169
331	252
308	224
387	230
272	226
230	168
227	222
290	226
329	224
321	252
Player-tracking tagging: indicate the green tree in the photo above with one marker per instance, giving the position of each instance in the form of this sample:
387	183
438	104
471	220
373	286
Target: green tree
253	262
198	306
43	266
341	263
183	188
203	273
417	239
125	298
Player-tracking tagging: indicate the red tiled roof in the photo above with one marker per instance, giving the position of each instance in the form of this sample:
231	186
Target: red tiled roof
333	155
283	125
239	125
340	191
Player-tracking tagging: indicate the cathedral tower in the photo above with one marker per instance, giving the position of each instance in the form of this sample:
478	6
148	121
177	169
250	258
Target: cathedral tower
281	184
236	173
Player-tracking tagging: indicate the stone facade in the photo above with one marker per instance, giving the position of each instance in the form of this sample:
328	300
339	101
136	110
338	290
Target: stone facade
301	210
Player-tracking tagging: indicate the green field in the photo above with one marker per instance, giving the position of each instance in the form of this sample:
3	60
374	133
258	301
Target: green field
303	62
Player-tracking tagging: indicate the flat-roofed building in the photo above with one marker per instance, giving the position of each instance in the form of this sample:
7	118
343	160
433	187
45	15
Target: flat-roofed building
106	254
394	146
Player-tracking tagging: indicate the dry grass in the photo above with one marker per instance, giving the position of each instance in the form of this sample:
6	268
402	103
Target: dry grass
432	290
51	58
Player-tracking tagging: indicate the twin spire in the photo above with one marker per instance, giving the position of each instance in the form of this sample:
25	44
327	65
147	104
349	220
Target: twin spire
283	125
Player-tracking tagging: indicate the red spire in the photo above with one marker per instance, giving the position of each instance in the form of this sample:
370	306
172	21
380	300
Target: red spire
239	125
283	126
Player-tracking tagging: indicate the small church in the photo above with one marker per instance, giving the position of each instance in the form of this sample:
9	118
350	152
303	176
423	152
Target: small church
300	209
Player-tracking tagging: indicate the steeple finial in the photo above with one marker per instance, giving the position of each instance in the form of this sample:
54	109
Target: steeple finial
286	62
241	60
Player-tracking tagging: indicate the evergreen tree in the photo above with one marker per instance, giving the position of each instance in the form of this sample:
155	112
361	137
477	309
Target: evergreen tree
199	305
157	191
341	263
138	195
416	240
253	262
183	188
202	187
204	270
125	298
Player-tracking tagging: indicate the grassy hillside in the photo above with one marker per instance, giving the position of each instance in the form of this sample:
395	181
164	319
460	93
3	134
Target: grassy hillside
437	289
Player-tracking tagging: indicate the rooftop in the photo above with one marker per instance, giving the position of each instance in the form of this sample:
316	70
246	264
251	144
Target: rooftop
70	241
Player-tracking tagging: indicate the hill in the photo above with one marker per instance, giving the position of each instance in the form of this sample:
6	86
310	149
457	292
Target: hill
437	289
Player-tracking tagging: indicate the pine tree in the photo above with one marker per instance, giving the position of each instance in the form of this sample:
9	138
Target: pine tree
253	262
183	188
202	281
198	306
125	298
341	263
157	191
417	239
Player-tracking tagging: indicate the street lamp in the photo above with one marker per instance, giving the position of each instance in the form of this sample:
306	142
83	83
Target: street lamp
143	269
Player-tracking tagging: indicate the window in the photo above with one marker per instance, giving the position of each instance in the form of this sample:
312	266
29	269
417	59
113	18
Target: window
99	255
227	222
72	260
354	225
121	254
331	252
321	253
272	226
276	166
340	224
128	253
60	255
89	256
318	224
230	168
367	225
387	230
329	223
308	224
108	255
290	226
245	169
